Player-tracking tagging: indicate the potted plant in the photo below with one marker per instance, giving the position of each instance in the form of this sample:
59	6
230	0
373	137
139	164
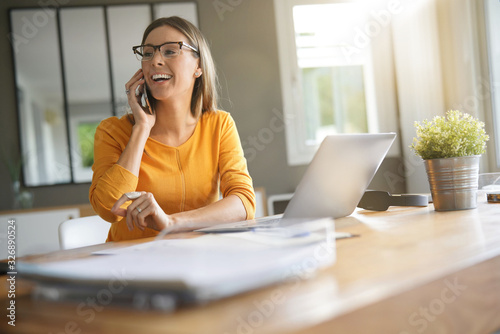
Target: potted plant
23	198
451	147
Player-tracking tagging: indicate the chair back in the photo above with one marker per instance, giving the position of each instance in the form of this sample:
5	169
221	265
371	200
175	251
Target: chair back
81	232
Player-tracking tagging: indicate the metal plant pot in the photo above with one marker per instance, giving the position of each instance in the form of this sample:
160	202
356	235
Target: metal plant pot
453	182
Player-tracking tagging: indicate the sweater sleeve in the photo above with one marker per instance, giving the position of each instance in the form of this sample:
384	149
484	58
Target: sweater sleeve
234	176
109	181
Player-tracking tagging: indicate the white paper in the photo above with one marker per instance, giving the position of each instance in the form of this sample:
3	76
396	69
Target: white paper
211	266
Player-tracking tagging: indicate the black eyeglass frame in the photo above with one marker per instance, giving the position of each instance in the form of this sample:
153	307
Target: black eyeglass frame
136	51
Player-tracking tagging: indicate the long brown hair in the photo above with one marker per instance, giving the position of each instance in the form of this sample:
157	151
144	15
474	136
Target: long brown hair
205	94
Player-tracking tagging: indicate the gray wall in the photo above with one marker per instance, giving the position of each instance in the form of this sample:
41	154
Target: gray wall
244	47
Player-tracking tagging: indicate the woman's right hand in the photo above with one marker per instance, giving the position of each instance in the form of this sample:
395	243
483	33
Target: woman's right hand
143	212
141	117
131	156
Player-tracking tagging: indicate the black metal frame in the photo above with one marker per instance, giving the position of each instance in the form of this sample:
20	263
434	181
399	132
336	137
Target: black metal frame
113	110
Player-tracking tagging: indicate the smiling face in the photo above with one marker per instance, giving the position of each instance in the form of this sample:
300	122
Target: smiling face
171	78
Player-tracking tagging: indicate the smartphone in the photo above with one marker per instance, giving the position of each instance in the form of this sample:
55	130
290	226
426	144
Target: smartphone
146	102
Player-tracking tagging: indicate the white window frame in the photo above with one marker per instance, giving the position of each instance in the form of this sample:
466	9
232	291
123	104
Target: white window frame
298	152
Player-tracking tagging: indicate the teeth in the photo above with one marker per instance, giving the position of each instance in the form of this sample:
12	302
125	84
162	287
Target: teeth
161	76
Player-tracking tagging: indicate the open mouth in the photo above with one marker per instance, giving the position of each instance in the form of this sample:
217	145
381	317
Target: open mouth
161	77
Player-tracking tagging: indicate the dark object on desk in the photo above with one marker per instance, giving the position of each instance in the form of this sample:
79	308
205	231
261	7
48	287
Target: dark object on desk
382	200
493	198
4	268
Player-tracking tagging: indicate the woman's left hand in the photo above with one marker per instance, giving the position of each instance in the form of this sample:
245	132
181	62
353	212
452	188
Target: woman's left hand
143	212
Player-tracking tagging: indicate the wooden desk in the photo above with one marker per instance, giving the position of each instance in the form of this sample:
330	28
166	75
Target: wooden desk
413	270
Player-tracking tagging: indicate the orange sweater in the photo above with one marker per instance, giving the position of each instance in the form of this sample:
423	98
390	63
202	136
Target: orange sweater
181	178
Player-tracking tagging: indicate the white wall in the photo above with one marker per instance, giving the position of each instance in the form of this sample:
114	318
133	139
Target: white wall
35	232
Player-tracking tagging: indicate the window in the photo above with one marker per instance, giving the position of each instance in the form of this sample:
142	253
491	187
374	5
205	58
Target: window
71	64
327	72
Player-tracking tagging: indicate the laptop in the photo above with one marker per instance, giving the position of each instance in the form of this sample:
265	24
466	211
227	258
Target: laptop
333	183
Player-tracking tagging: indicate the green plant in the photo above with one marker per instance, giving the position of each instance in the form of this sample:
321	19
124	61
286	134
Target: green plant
13	164
86	133
456	135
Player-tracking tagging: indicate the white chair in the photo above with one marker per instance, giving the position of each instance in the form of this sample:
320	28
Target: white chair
261	203
274	200
81	232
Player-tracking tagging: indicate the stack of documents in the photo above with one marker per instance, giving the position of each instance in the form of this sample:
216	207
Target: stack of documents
184	271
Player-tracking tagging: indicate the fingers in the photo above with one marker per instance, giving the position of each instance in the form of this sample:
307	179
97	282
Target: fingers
131	87
142	115
135	209
116	209
134	81
143	212
139	210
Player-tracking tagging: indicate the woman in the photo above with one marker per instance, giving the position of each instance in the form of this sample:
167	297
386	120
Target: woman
177	156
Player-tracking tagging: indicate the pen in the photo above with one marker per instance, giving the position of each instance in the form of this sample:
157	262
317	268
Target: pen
345	235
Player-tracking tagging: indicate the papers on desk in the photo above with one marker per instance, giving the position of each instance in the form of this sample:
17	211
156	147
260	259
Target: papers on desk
198	269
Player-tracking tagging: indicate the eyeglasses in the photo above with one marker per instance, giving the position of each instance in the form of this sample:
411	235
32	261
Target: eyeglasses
167	50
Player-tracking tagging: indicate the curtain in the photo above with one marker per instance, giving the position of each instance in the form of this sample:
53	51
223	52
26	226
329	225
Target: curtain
437	68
